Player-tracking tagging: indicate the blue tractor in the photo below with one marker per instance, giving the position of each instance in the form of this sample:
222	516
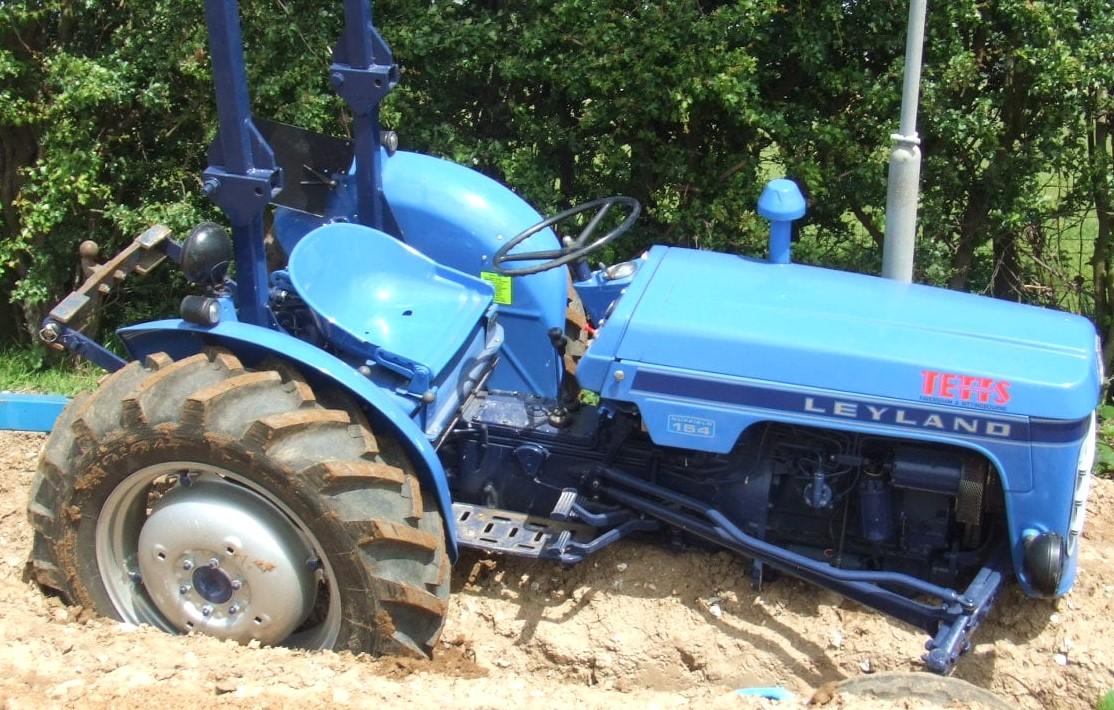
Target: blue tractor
298	458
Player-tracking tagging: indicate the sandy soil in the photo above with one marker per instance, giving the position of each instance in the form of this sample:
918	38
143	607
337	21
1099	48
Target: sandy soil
637	626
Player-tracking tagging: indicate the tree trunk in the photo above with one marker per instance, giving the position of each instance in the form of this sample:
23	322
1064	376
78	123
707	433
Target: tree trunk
18	150
970	232
1100	164
1007	281
986	192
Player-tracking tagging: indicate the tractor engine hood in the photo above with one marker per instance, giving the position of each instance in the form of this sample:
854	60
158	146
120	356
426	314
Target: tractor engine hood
711	313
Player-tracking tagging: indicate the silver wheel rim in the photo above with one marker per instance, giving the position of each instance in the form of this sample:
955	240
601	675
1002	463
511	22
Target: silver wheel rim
216	553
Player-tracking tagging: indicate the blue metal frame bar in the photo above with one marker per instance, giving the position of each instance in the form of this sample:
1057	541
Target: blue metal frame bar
920	615
363	73
952	622
791	562
83	346
242	177
955	638
231	84
30	412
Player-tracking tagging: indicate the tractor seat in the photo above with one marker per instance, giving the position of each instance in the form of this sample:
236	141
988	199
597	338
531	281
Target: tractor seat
368	290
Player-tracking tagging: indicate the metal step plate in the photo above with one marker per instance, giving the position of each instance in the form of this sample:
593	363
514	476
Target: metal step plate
513	533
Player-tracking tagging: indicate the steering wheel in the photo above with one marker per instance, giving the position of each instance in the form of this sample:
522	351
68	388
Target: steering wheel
571	249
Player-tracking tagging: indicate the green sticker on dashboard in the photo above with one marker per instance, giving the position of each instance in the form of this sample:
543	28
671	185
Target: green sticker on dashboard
502	286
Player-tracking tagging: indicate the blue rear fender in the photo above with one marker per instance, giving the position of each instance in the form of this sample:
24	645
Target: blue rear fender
252	344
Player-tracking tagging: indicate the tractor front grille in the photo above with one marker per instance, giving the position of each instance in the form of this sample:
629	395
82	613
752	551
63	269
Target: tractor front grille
1084	474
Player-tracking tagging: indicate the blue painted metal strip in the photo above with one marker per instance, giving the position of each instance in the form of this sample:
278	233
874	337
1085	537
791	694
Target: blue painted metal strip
974	423
30	412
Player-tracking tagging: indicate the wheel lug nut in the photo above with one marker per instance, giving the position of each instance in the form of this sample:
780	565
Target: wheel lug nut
184	589
233	610
236	584
187	565
214	562
206	610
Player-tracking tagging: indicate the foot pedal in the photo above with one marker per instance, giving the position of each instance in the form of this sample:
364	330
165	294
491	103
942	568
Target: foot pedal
557	547
563	510
512	533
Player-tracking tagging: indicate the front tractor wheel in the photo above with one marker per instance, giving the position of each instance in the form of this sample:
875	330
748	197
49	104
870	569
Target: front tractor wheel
198	496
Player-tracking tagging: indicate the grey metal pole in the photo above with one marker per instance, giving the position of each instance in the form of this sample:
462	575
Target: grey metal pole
905	160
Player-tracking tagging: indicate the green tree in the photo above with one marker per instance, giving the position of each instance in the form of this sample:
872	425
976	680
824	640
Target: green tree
1096	69
574	99
1000	105
106	110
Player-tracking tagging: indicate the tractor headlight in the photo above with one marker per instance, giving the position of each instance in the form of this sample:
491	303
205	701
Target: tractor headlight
1046	556
201	310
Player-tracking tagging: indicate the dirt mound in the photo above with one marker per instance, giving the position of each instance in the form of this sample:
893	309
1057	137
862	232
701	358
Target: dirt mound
636	626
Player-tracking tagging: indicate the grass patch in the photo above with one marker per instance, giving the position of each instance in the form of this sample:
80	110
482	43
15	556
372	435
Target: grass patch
1106	702
25	370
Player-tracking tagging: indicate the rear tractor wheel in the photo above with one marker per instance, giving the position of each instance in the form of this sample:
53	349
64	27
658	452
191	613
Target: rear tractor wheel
199	496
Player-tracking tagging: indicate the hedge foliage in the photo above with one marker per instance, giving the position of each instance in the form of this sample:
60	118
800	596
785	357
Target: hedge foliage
106	110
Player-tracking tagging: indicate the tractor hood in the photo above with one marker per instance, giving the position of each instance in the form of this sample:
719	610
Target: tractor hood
711	313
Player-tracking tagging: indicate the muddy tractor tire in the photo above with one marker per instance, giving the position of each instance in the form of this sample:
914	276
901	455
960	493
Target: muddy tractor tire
199	496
